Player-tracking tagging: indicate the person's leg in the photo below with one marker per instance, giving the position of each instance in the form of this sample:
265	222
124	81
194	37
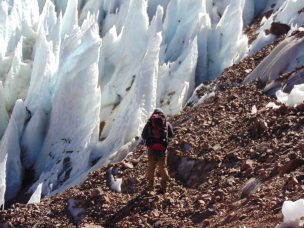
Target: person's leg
151	171
163	173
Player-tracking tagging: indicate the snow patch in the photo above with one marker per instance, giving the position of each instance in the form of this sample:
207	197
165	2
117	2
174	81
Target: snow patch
114	183
205	98
272	105
36	196
293	211
254	110
295	97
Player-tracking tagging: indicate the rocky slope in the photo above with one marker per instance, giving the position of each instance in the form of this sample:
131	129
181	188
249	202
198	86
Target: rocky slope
233	162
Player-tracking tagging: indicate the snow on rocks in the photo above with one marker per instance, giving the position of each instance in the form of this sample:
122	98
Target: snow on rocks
295	97
114	184
272	105
293	212
271	71
271	68
285	13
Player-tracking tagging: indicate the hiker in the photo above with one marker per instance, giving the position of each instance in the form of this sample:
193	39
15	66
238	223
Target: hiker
156	134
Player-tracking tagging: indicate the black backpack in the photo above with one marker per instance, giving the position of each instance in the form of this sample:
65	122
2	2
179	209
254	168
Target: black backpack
157	132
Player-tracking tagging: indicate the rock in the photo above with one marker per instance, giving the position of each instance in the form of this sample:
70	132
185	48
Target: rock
199	217
250	187
96	192
230	218
207	197
155	213
262	173
169	201
205	146
247	71
288	225
292	156
291	183
290	166
206	223
105	205
175	194
220	192
247	166
127	165
200	203
243	216
91	226
159	224
230	181
217	158
233	171
279	29
232	156
151	193
106	199
216	147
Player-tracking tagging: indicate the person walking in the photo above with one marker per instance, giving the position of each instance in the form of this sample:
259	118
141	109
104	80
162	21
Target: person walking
156	135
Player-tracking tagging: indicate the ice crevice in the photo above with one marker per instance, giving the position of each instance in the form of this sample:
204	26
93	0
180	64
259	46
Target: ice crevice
79	78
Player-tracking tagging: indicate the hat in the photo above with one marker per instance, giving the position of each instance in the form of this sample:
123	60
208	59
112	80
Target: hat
158	110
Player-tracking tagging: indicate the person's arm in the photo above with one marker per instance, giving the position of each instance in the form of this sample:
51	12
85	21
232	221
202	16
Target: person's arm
144	134
170	131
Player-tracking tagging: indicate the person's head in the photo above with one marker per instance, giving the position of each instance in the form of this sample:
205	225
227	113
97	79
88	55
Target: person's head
158	110
159	121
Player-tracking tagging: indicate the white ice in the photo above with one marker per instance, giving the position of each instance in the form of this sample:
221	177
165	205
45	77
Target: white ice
295	97
75	113
293	211
254	110
3	112
272	105
36	196
10	162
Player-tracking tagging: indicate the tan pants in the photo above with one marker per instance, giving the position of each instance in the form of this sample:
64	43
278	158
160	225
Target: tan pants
161	162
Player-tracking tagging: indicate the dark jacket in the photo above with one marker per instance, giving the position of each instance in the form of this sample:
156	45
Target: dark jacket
145	132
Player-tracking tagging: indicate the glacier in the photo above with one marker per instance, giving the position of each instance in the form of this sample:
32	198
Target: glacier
79	79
